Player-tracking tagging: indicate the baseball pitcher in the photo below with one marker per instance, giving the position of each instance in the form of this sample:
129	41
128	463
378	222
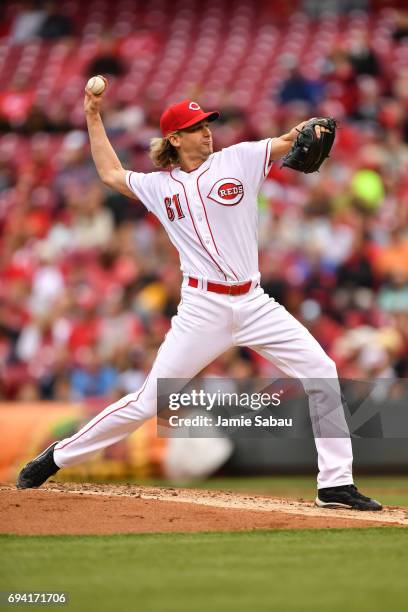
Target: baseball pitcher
207	203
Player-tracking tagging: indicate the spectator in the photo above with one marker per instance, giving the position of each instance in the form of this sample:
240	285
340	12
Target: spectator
92	224
300	87
47	282
340	80
393	296
55	24
400	31
58	121
75	172
27	22
91	377
16	101
368	104
106	61
362	57
392	259
356	271
132	372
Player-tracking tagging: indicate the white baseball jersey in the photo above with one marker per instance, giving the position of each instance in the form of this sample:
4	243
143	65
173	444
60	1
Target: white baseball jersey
210	213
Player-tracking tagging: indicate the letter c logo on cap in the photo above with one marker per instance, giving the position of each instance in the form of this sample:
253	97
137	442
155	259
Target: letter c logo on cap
193	106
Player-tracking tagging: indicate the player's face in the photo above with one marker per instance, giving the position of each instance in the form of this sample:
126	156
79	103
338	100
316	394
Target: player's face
196	139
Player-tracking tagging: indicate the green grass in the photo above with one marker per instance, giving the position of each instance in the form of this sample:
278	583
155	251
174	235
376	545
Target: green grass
390	490
320	570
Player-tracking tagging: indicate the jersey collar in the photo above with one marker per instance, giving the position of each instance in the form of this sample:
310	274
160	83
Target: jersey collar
182	173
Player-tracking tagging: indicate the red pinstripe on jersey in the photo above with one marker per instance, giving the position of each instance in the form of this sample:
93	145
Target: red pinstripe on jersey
74	438
127	178
206	218
195	229
267	162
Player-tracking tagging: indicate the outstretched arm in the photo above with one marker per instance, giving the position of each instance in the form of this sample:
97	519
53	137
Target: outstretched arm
106	161
283	144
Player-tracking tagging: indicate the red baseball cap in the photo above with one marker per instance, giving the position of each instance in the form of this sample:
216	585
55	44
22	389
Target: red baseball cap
183	115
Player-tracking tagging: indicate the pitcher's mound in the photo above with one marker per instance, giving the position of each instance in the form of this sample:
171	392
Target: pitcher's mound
71	508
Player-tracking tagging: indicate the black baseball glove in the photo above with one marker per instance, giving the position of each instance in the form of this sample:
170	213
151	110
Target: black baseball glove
308	152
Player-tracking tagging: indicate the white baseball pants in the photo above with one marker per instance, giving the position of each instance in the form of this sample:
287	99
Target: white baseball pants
206	325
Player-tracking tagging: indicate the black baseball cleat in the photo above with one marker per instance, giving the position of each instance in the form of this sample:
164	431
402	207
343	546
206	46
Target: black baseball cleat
346	496
36	472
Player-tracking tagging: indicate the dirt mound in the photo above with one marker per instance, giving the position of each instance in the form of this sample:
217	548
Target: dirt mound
70	508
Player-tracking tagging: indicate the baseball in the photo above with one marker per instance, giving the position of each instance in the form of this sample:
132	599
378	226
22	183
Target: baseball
96	85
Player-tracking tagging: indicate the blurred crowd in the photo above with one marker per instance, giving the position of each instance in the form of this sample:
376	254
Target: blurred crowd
90	281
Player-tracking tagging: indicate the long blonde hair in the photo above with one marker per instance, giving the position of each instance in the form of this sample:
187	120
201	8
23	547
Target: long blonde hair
162	153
